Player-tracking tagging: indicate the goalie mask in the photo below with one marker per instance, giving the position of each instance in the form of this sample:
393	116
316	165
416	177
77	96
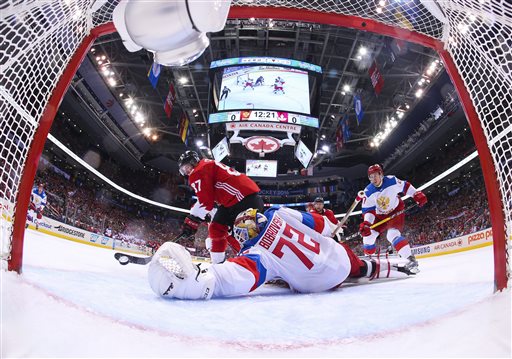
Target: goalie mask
248	225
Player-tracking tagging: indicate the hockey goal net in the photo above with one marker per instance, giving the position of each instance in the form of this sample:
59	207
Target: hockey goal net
44	41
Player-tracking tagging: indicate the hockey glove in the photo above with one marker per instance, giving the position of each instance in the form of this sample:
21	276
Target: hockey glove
364	228
190	225
420	198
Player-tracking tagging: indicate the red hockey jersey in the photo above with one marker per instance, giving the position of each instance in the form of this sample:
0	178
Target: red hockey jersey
326	213
214	182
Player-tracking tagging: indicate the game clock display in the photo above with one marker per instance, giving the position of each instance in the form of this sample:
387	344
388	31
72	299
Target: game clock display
263	116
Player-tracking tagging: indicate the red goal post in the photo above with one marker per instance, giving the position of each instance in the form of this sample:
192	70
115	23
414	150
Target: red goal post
44	42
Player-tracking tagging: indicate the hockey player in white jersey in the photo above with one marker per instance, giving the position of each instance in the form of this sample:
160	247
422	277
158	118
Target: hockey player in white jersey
280	244
37	204
382	200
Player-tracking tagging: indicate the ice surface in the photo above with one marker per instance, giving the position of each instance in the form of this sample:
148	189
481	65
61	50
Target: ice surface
294	99
76	300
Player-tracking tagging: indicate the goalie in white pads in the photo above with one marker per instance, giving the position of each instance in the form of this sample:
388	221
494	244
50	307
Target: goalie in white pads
280	244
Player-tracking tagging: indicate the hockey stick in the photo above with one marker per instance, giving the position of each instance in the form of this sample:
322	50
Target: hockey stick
381	222
124	258
358	199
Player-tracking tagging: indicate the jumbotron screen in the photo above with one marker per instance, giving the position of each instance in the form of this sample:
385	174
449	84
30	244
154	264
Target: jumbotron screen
264	87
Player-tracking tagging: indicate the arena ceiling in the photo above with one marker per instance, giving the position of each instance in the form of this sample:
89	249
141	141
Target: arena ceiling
345	72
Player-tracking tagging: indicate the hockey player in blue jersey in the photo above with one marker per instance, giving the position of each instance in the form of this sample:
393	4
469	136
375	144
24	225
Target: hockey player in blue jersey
37	204
282	244
382	200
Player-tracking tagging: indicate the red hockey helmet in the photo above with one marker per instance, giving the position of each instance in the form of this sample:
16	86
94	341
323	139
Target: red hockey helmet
375	169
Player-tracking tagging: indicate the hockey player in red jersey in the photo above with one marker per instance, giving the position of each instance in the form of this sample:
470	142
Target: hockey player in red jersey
281	243
278	85
318	207
215	183
249	83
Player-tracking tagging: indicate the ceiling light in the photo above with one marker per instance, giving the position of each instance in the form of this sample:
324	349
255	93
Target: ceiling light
199	143
346	88
363	50
112	82
154	137
382	2
183	80
103	57
379	10
325	148
419	93
146	131
194	110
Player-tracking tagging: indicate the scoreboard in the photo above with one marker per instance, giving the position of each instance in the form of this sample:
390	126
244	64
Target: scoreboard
263	116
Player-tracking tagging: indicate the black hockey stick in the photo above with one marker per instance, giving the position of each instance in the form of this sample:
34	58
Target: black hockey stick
387	219
124	258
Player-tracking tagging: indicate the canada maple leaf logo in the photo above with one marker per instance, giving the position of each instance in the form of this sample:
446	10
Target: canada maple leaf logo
263	145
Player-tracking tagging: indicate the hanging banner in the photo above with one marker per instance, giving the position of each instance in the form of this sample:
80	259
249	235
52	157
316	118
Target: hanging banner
154	74
358	108
169	101
376	78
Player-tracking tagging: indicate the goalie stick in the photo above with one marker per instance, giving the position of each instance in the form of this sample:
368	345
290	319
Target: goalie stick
387	219
359	197
124	258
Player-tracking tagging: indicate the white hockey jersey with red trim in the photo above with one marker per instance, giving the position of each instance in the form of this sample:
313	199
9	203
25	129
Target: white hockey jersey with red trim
288	248
214	182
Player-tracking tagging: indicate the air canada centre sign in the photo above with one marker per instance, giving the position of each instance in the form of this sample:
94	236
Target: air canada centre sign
263	126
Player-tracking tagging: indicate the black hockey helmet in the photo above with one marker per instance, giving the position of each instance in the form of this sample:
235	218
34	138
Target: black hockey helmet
189	157
319	199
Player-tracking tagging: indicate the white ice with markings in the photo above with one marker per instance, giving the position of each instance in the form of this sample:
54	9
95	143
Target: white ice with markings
293	98
76	300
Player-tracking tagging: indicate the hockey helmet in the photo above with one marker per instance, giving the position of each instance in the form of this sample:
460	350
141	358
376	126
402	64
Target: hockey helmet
319	199
375	169
189	157
248	225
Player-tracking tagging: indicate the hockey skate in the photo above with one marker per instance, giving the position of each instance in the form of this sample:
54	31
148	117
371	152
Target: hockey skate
412	265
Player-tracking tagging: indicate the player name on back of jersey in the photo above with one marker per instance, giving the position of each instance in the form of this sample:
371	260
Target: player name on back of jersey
271	232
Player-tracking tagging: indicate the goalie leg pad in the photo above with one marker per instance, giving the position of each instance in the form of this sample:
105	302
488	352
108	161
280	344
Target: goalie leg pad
384	268
172	274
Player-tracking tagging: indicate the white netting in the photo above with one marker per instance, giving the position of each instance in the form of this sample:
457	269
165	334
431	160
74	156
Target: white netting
38	39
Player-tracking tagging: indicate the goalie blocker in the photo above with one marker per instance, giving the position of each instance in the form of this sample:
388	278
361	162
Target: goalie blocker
275	245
